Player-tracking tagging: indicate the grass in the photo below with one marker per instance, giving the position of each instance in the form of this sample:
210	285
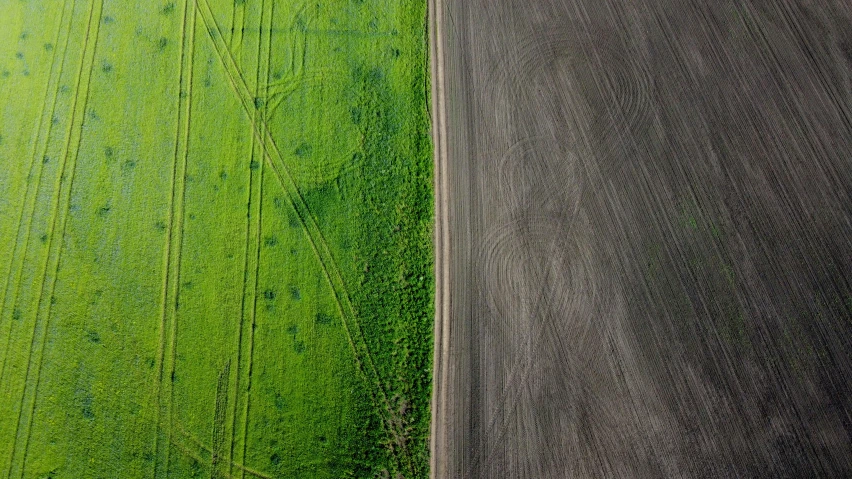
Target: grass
216	222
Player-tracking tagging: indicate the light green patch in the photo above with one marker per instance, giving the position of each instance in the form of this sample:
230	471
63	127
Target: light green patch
219	260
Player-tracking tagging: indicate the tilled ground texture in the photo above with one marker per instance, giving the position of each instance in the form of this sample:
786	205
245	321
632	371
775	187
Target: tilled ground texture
644	238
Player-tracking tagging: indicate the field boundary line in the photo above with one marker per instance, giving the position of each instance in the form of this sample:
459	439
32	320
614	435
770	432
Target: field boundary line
173	252
78	115
30	200
440	353
317	241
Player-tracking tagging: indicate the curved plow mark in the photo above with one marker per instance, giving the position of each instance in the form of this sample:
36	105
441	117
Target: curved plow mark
537	174
573	293
612	80
355	335
278	91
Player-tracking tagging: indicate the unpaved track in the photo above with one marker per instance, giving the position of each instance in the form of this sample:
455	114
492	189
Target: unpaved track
643	238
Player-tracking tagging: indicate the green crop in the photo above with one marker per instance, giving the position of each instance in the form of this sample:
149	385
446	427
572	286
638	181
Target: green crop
216	224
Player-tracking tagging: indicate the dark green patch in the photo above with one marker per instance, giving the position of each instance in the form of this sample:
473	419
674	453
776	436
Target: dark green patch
299	346
258	102
269	294
86	406
16	314
295	293
275	459
45	160
292	330
168	8
106	67
270	241
160	226
355	114
293	220
48	47
322	318
43	238
93	337
108	152
128	165
304	150
108	19
162	43
254	164
19	55
104	210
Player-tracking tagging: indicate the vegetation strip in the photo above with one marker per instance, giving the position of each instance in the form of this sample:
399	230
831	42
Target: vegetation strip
60	217
172	252
29	205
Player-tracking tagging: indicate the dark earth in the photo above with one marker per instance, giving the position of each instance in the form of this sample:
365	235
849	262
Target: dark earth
644	238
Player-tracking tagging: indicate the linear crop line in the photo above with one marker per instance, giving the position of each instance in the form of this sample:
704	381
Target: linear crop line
254	211
60	223
317	241
172	254
29	204
220	419
238	16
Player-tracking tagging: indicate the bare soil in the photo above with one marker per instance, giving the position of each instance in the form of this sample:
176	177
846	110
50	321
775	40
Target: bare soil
644	238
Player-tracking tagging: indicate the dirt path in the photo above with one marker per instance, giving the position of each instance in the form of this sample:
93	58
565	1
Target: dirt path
438	427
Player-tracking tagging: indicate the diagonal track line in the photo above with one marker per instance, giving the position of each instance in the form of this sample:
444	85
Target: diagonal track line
353	330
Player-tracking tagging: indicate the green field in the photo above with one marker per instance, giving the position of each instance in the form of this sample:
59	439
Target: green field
215	239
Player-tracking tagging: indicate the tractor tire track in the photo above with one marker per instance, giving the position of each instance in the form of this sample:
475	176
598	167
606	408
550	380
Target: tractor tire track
202	452
220	418
363	357
55	245
172	254
16	266
251	267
